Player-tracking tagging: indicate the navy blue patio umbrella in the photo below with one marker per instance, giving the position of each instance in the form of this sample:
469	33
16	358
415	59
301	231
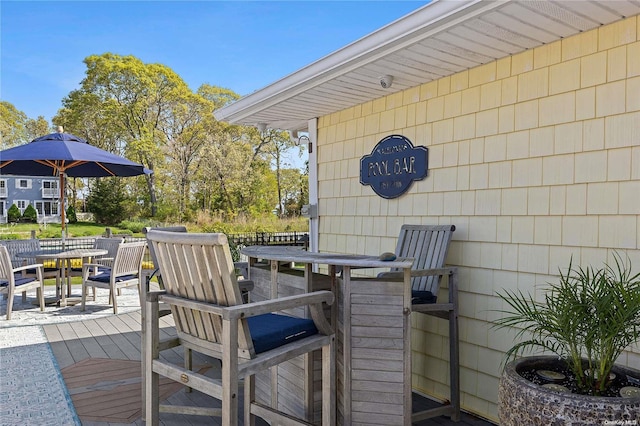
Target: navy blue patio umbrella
63	154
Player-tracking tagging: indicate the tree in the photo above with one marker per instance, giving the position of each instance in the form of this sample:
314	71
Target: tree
230	178
274	143
107	201
85	116
218	95
185	133
12	125
36	128
147	113
295	191
139	100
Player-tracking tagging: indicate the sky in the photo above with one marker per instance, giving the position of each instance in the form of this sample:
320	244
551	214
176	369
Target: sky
240	45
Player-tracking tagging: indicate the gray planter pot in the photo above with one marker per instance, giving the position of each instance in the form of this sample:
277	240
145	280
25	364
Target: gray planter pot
521	402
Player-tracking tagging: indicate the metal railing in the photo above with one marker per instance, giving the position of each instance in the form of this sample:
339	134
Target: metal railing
236	241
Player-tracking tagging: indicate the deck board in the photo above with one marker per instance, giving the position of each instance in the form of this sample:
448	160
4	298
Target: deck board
117	337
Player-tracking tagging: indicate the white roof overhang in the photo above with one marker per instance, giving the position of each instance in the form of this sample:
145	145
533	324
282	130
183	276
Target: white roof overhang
440	39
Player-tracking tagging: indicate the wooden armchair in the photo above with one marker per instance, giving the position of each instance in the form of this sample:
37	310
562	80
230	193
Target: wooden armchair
201	287
33	244
12	281
429	245
109	244
164	309
126	271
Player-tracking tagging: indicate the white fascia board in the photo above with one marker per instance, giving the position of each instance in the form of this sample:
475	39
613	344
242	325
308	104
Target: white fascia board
430	19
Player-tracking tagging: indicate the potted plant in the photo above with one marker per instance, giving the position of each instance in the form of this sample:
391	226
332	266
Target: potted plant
586	320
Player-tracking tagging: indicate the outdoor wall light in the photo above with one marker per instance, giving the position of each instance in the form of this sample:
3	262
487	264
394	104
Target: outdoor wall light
304	140
300	139
261	127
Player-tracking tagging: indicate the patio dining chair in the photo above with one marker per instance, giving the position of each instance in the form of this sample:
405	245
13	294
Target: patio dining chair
12	280
33	244
126	271
106	260
429	246
210	317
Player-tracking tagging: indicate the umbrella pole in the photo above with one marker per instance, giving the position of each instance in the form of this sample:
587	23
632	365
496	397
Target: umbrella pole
62	211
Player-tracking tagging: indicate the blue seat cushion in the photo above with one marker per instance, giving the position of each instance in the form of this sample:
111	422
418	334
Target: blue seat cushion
422	297
33	271
106	277
101	269
19	281
269	331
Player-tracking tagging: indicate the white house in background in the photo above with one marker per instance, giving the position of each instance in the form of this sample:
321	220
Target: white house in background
40	192
531	115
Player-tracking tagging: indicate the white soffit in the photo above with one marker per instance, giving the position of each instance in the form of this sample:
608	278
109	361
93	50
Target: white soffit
437	40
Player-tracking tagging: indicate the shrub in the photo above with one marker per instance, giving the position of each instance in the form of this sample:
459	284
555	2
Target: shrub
13	214
71	215
30	214
134	226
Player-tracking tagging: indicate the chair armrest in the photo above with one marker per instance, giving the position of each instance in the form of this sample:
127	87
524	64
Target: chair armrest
39	267
32	266
272	305
419	272
250	309
87	266
245	285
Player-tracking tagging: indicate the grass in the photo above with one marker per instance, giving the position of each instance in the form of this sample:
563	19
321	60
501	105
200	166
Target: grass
54	230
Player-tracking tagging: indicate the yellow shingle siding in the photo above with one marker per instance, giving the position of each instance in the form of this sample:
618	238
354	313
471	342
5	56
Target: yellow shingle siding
535	158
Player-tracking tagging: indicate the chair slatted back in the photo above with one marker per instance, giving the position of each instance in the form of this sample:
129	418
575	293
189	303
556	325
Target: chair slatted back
152	252
199	267
6	267
128	259
428	245
18	246
111	246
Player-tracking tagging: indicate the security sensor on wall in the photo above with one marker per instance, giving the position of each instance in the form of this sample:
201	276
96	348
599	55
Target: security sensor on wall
386	81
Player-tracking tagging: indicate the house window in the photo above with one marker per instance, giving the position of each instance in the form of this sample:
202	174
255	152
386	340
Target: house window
21	205
3	188
3	209
47	208
23	183
50	189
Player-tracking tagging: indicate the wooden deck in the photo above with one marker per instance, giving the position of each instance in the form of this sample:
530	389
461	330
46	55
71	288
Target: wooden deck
99	360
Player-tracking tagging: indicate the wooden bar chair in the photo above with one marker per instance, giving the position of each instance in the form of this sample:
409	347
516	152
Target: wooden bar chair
429	245
201	287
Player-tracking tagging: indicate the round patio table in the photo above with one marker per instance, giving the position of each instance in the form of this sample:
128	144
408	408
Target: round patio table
63	259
